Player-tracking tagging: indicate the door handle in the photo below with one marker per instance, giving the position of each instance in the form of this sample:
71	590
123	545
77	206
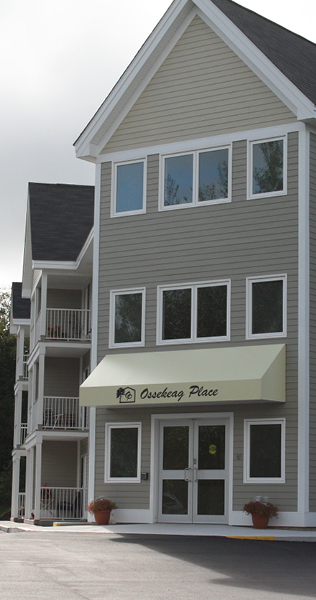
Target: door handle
187	475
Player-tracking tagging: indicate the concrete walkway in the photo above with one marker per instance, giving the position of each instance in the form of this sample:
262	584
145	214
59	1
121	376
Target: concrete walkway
292	535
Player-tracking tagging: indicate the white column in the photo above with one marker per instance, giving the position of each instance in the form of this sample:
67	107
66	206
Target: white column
17	416
41	372
29	482
15	485
38	480
43	305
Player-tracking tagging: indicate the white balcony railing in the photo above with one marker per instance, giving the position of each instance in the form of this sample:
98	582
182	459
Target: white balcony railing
63	413
23	433
63	503
21	504
25	369
68	324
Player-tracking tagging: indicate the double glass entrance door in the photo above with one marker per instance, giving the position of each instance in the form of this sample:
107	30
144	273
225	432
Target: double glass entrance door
193	471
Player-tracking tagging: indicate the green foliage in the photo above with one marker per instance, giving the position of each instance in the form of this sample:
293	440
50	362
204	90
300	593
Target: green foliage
7	376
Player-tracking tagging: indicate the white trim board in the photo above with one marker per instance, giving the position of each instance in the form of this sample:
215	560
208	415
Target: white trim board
225	139
303	323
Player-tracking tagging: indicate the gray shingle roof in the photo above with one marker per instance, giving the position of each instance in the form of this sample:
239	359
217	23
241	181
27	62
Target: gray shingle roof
292	54
61	219
21	307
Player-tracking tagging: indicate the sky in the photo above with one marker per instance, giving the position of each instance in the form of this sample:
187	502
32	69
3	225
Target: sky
58	62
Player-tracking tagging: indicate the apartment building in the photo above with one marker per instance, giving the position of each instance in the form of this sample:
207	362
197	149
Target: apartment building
51	316
202	349
202	391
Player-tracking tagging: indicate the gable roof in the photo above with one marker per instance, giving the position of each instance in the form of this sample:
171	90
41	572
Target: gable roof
292	54
21	307
61	218
265	47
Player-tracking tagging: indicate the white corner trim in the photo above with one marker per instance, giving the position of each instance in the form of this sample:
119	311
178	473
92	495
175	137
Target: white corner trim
254	58
94	326
303	322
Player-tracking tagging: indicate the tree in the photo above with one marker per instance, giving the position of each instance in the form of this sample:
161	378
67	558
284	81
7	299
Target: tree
268	176
7	375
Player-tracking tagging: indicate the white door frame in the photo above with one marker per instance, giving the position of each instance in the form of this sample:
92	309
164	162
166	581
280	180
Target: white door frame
154	459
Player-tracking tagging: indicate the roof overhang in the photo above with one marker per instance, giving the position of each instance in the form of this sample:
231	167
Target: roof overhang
217	375
154	51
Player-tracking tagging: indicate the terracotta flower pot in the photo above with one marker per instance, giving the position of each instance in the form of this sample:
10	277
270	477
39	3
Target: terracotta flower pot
260	521
102	517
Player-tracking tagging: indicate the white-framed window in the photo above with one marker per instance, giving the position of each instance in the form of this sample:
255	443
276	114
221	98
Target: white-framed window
195	178
128	188
264	451
127	318
267	167
123	452
193	312
266	302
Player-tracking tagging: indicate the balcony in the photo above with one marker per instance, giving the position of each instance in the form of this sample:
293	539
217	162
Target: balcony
23	433
25	368
21	504
63	503
68	324
63	413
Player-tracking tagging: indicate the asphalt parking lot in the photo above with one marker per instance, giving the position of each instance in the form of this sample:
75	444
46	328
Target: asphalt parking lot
77	566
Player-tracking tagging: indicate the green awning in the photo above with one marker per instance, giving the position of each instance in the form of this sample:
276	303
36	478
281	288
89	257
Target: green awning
216	375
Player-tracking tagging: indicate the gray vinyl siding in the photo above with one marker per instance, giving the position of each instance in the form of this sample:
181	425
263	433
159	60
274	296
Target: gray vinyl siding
235	240
64	298
59	464
312	322
62	377
202	89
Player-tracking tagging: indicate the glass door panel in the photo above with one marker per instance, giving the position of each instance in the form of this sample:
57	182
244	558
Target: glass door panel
210	489
211	449
174	497
175	486
211	497
175	447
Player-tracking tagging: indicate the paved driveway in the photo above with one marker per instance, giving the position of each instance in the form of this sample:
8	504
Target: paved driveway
75	566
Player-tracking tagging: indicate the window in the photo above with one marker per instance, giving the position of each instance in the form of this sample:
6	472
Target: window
128	188
193	312
267	168
266	307
264	451
195	178
123	452
127	318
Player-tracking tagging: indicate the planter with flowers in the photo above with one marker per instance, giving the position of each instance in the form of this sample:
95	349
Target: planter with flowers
101	509
261	511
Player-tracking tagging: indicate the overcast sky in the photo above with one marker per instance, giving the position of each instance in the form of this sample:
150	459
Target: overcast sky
59	60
